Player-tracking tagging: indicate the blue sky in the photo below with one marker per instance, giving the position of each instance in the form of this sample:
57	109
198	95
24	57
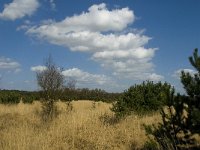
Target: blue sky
108	44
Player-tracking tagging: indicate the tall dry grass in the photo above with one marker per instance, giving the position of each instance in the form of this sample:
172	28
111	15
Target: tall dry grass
80	125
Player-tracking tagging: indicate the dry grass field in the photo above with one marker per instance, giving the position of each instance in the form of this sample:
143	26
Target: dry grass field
84	125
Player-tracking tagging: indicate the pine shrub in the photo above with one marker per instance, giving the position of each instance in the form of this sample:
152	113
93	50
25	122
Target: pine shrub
142	99
181	116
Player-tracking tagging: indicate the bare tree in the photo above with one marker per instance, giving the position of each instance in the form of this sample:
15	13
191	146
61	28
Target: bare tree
51	82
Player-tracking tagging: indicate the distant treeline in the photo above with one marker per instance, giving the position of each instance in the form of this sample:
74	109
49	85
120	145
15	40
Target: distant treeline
14	96
88	94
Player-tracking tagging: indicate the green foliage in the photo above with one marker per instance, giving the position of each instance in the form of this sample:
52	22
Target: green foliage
14	96
171	133
29	97
181	116
191	84
141	99
88	94
66	95
9	97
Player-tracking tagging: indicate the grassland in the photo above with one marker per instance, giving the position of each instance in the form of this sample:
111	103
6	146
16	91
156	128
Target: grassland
80	125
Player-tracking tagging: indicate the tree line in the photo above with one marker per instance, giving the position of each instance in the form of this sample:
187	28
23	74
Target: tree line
68	94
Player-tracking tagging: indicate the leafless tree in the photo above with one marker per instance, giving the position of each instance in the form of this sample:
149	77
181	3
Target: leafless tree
51	82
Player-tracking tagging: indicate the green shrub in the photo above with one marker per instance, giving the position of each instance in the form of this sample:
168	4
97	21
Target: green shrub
141	99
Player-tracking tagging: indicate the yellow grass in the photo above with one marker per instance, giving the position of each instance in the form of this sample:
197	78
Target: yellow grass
86	126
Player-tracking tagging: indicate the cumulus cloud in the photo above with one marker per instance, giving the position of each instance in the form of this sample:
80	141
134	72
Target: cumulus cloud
19	9
103	34
85	77
137	53
9	64
177	73
38	68
98	18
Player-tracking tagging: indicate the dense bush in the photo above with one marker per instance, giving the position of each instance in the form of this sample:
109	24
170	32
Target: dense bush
144	98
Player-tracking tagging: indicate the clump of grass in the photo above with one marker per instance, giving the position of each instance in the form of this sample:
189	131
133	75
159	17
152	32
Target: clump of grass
93	105
69	106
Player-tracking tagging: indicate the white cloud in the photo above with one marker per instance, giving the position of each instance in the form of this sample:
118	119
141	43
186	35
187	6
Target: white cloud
87	41
85	77
9	64
27	24
52	4
22	27
18	9
177	73
137	53
103	34
38	68
155	77
98	18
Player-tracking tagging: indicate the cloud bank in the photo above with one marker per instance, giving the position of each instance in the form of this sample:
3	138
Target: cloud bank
102	33
18	9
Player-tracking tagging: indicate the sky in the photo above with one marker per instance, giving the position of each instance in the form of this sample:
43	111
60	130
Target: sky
110	44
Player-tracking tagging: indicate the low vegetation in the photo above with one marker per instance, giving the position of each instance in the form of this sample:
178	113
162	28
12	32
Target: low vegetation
89	94
68	94
14	96
78	126
142	99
